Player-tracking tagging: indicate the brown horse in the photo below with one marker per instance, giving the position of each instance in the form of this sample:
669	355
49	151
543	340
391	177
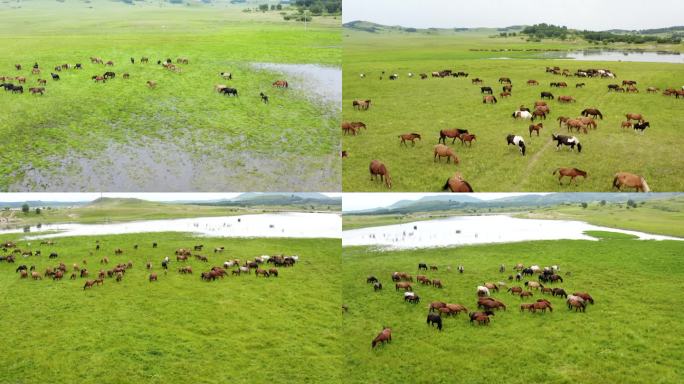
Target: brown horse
406	286
626	124
467	137
569	172
349	128
377	168
442	150
504	94
37	90
630	180
576	124
588	121
451	133
585	296
538	113
532	82
42	82
281	84
526	294
456	184
578	305
153	277
489	99
542	306
562	120
566	99
528	307
361	104
536	128
88	284
457	308
409	137
151	84
635	116
383	337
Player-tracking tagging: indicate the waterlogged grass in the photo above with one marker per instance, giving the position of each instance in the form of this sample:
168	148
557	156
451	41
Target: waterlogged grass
78	118
604	235
427	106
179	329
626	337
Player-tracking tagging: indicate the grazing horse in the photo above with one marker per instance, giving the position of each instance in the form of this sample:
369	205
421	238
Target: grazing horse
579	85
630	180
504	94
577	304
385	336
566	99
377	168
151	84
538	113
99	78
409	137
433	319
422	266
570	141
376	286
264	98
153	277
226	75
281	84
42	82
532	82
536	128
489	99
542	305
569	172
442	150
229	91
585	296
635	116
88	284
37	90
626	124
487	90
406	286
517	141
469	138
361	104
641	126
547	95
593	112
54	76
451	133
520	114
559	292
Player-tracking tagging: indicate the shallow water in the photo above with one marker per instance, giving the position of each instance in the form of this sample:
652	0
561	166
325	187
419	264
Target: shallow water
293	225
611	55
469	230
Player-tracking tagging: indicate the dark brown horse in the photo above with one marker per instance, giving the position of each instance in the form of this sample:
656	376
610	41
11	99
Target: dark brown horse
451	133
385	336
377	168
569	172
456	184
536	128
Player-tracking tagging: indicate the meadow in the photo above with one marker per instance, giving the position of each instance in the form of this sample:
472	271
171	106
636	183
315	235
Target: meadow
179	329
182	135
409	105
625	337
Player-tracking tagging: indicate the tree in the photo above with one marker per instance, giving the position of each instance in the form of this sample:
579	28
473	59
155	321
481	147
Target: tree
279	7
631	203
37	211
603	202
25	208
584	205
273	7
263	7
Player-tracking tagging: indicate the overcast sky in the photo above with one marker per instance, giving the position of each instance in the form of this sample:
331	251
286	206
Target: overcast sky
359	201
14	197
578	14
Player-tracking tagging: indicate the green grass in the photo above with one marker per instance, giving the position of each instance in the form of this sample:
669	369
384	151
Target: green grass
626	337
427	106
179	329
79	119
604	235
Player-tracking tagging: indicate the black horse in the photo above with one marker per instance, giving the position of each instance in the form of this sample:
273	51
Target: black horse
264	98
109	75
641	126
517	141
527	271
570	141
17	89
559	292
229	91
22	267
53	255
547	95
54	76
593	112
432	319
487	90
371	279
422	266
377	287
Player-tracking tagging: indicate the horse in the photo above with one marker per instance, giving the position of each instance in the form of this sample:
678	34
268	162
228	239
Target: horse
442	150
152	277
229	91
532	82
489	99
542	305
403	285
477	80
457	184
97	78
504	94
280	84
264	98
226	75
376	286
559	292
579	85
547	95
517	141
377	168
566	99
520	114
538	113
42	82
88	284
456	308
486	90
409	137
151	84
385	336
641	126
482	291
37	90
576	124
536	128
433	319
567	140
361	104
533	284
451	133
515	290
54	76
577	304
422	266
635	116
109	75
593	112
569	172
585	296
469	138
630	180
507	89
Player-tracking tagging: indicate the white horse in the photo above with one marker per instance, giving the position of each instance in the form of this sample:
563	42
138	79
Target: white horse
226	75
410	74
228	264
409	294
362	75
525	115
518	141
482	290
575	298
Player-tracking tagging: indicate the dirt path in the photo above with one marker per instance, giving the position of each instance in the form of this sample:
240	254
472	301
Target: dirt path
531	165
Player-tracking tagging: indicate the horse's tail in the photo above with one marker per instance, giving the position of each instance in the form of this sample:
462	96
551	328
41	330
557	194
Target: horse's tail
644	185
556	170
446	185
616	183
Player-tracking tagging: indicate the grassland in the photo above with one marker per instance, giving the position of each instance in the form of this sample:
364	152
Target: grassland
626	337
427	106
181	135
179	329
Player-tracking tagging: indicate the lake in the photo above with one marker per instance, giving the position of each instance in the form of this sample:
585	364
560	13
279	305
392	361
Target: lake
295	225
613	55
469	230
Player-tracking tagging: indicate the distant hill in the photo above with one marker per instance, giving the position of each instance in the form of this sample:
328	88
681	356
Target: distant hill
448	201
368	26
253	198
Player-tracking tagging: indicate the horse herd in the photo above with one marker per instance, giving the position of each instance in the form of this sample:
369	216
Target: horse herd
586	120
118	271
487	305
9	86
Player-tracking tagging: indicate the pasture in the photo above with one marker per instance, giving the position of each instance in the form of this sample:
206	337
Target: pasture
181	135
411	105
625	337
178	329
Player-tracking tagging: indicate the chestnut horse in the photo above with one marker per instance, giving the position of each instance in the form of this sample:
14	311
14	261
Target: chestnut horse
442	150
536	128
377	168
409	137
361	104
281	84
569	172
451	133
630	180
382	337
467	137
635	116
456	184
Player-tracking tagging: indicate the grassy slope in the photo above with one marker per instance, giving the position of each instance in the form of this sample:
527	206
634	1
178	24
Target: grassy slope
425	107
124	210
79	117
179	329
626	337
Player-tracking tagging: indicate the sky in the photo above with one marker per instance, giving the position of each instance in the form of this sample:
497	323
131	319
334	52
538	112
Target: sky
577	14
68	197
359	201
